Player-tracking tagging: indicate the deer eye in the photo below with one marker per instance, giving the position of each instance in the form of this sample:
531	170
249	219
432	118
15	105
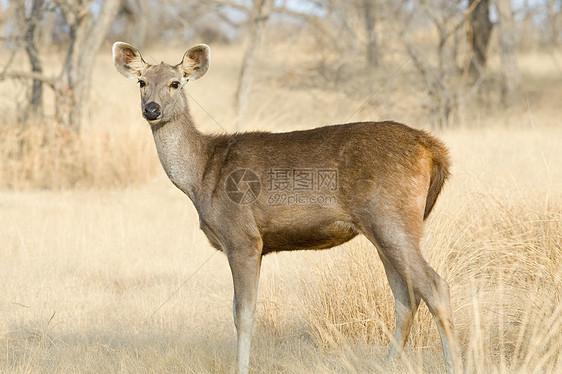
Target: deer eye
175	84
142	83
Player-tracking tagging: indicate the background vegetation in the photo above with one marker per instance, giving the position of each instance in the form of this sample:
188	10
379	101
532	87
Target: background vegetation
94	239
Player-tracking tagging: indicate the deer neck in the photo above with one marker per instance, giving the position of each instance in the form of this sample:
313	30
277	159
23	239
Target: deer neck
182	150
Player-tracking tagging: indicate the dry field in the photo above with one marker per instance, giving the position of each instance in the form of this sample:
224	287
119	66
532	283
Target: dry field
89	274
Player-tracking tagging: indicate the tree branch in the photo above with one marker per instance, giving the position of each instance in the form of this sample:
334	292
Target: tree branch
312	20
232	4
29	75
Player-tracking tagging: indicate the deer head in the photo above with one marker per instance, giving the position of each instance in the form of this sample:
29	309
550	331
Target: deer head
160	85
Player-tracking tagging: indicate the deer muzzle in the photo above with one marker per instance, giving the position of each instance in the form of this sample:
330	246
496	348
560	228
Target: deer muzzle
151	111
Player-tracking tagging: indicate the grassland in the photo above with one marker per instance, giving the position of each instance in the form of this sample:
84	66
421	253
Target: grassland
86	273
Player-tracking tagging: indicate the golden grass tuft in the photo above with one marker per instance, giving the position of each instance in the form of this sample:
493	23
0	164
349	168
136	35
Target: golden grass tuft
55	157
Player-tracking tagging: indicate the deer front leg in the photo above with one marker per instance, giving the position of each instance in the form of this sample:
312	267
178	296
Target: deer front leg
245	275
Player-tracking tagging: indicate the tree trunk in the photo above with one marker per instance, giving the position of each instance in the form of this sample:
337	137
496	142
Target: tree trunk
369	10
511	78
480	28
87	30
86	37
137	21
259	17
35	108
553	20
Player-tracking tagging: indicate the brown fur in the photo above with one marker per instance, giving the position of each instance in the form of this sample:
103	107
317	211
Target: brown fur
439	173
388	179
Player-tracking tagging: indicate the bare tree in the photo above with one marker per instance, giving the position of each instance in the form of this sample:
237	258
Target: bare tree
87	33
510	77
87	30
259	16
36	96
438	70
479	31
135	12
354	26
554	9
369	9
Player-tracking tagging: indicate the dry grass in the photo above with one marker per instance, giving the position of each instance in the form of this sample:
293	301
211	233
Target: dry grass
54	157
83	270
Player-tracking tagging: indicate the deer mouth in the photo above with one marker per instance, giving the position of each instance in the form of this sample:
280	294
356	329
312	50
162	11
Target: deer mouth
154	122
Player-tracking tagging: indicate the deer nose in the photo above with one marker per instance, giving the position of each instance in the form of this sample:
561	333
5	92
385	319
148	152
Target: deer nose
151	111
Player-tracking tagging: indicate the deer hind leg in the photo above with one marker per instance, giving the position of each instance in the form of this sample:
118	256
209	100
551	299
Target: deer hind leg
406	304
245	274
411	275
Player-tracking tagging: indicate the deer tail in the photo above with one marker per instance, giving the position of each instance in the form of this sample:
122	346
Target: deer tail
439	174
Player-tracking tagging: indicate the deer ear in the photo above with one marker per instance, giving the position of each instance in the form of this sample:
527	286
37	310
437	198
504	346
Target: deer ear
128	60
195	62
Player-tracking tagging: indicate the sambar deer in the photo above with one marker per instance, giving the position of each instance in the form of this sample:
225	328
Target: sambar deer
261	192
